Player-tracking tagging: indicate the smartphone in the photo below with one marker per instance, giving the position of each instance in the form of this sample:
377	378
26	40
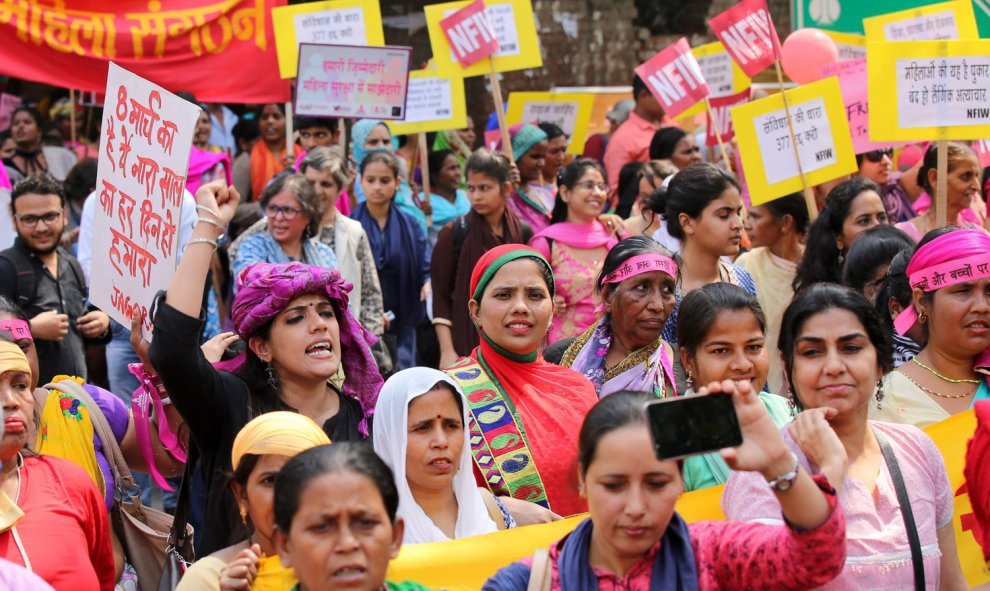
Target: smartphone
692	425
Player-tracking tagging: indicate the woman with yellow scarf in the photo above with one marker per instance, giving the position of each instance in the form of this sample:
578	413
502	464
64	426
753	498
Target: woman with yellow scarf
260	450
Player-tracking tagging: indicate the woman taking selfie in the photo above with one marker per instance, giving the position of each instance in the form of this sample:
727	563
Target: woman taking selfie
950	280
835	353
634	539
336	519
422	435
723	337
299	333
624	350
515	394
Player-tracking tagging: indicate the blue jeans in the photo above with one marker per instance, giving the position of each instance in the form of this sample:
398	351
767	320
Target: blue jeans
405	346
122	384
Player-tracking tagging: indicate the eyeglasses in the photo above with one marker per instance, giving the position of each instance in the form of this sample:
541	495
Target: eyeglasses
288	213
592	185
876	156
31	221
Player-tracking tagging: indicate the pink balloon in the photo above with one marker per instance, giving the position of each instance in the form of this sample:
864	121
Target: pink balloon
805	52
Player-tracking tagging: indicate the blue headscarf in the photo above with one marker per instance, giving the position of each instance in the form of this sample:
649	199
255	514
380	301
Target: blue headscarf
403	196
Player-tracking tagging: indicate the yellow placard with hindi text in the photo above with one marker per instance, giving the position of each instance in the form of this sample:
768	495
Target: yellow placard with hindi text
570	111
337	22
722	73
941	21
434	102
515	29
931	90
821	133
850	45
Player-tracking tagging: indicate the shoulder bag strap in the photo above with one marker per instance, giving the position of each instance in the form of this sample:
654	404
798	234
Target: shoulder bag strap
541	573
902	497
118	466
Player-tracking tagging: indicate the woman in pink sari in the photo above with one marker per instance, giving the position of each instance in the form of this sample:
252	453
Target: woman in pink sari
576	244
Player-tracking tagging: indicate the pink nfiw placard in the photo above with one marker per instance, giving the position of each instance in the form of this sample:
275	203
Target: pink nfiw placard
747	32
470	34
675	78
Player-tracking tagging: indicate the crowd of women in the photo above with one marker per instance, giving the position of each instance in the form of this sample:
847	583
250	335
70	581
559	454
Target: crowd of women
405	368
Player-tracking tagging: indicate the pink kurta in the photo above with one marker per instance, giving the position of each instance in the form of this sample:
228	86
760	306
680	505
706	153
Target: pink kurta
879	556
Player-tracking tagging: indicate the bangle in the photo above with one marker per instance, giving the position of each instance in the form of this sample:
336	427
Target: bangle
209	220
166	401
212	243
206	209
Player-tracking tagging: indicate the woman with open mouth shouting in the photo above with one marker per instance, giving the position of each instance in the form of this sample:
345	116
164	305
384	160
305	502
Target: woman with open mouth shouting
299	333
576	244
949	274
526	411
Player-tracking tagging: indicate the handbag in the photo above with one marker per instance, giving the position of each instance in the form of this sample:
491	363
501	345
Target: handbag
917	560
145	533
179	552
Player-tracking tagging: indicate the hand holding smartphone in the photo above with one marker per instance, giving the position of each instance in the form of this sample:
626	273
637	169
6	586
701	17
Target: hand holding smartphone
692	425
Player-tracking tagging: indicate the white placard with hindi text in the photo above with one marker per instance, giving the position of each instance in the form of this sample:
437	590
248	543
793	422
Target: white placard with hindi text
144	157
717	69
812	132
929	27
429	99
340	26
942	92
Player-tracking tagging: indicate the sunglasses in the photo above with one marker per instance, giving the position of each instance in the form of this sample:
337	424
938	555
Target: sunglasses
876	156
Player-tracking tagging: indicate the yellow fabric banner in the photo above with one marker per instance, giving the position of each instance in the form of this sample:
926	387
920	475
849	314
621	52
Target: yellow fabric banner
467	563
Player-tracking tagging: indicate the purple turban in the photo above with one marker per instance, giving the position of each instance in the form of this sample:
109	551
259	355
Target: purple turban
266	289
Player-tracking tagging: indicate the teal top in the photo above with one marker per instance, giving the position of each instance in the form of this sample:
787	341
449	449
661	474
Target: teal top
982	393
710	469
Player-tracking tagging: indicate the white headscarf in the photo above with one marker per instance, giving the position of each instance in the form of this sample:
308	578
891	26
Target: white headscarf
390	437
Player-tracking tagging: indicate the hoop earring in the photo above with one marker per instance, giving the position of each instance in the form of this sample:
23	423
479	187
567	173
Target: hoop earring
879	394
272	378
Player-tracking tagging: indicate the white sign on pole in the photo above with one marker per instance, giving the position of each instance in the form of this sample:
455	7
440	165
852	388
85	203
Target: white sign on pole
813	134
144	156
943	92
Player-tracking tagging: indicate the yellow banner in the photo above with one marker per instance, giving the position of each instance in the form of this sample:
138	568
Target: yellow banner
338	22
821	133
930	90
515	28
467	563
723	74
570	111
945	20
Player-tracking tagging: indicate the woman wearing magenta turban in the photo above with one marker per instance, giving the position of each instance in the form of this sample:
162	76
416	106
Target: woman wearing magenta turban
298	331
949	274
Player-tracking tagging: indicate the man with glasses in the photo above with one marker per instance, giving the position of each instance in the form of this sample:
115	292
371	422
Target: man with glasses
47	281
897	190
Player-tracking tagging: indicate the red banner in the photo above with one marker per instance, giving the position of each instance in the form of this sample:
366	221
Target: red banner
470	34
675	78
221	51
721	107
747	32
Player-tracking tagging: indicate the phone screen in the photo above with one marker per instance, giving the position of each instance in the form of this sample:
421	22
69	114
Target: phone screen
693	425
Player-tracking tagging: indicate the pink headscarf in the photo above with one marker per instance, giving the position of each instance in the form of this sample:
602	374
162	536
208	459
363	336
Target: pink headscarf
266	289
954	257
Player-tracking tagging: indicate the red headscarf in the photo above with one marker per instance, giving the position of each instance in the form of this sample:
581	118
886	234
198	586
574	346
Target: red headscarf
551	400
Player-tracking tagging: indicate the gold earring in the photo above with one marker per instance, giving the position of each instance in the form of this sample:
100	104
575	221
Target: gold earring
922	317
243	514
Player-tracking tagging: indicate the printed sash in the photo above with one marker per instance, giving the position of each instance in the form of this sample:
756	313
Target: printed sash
498	439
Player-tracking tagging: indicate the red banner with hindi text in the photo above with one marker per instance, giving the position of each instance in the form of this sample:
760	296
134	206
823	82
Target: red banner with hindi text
221	51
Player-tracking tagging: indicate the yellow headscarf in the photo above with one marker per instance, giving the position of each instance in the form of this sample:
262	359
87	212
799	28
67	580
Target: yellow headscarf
66	430
281	432
11	359
287	434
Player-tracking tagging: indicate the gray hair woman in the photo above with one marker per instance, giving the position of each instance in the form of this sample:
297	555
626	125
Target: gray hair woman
292	216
